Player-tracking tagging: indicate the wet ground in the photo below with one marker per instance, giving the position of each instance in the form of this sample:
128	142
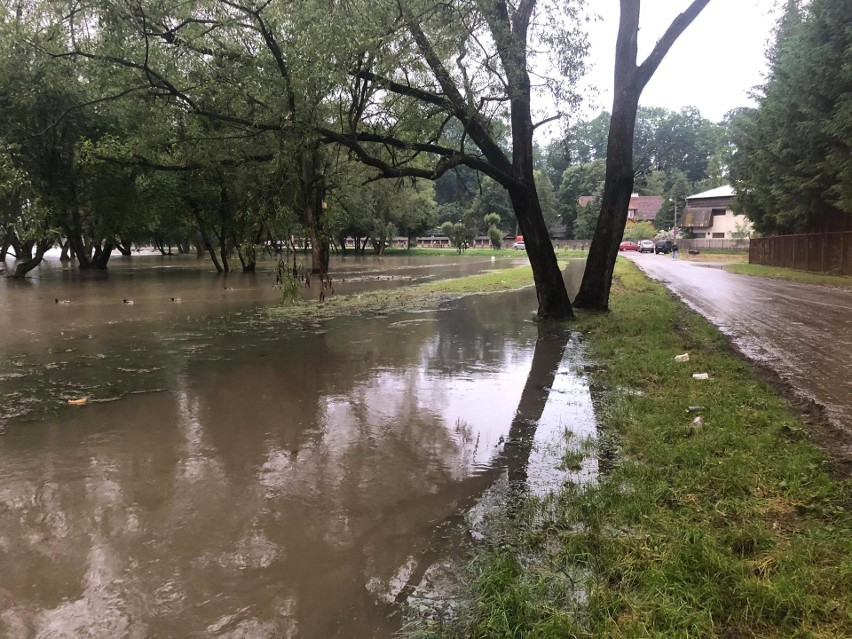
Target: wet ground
802	332
234	477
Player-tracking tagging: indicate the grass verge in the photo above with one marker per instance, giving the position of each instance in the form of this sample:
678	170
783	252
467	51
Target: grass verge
790	275
733	527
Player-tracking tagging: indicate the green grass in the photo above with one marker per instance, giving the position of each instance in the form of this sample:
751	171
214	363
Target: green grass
791	275
733	528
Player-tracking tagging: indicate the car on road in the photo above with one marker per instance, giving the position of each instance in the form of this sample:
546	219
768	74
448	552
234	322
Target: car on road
646	246
628	245
663	246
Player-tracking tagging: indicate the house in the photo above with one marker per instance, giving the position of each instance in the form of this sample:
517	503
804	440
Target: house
709	215
642	208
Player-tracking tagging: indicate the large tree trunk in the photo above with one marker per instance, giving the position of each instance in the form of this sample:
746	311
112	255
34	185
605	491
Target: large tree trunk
550	289
4	245
202	236
102	255
22	268
312	184
65	256
630	80
618	186
549	285
73	231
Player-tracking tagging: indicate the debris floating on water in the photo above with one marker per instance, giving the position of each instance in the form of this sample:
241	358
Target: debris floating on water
78	402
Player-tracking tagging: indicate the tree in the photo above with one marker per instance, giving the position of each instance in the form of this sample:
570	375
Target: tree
630	80
547	197
639	231
468	62
791	168
494	233
579	180
674	202
587	219
460	235
493	198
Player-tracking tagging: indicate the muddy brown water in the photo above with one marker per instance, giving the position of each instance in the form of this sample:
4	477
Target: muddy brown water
240	478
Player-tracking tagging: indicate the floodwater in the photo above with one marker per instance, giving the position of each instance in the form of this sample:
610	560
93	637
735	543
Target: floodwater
237	477
801	331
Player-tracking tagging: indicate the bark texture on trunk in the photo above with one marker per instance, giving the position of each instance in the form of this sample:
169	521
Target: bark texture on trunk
312	185
22	268
630	80
550	289
618	186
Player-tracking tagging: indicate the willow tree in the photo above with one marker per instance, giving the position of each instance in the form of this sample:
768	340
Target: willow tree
630	81
252	76
427	70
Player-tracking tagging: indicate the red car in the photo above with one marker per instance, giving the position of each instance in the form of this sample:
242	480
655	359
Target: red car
628	245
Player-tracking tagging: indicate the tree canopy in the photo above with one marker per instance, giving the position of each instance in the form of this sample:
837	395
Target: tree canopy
792	168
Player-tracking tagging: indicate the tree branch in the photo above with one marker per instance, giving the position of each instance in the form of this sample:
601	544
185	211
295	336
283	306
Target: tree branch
677	27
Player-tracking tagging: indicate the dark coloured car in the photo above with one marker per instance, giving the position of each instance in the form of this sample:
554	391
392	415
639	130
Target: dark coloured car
663	246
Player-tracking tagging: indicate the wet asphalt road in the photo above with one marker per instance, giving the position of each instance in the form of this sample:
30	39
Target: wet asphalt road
801	331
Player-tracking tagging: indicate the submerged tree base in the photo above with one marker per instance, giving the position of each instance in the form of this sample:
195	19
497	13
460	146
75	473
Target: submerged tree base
729	525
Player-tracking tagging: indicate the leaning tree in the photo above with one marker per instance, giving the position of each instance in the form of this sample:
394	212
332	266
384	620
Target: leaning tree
434	86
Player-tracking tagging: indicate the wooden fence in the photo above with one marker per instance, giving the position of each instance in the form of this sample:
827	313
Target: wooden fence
815	252
707	244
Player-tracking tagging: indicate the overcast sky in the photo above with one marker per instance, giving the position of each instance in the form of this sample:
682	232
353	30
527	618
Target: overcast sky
712	66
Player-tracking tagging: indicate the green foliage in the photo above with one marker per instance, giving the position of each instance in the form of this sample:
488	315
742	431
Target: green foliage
460	235
674	202
579	180
639	231
291	288
494	233
493	198
791	169
547	198
587	219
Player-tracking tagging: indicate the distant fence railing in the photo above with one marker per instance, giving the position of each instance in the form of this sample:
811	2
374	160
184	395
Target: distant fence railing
710	244
815	252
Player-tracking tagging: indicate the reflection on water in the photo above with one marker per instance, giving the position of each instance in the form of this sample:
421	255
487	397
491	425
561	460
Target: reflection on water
285	482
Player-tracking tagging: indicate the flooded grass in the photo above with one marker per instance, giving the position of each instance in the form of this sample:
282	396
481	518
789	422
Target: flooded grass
503	252
411	298
727	526
791	275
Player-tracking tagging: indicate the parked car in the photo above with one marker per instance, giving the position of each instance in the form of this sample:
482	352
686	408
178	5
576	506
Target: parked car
519	246
628	245
663	246
646	246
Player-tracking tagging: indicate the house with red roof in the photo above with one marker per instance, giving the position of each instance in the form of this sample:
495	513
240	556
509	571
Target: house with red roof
642	208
